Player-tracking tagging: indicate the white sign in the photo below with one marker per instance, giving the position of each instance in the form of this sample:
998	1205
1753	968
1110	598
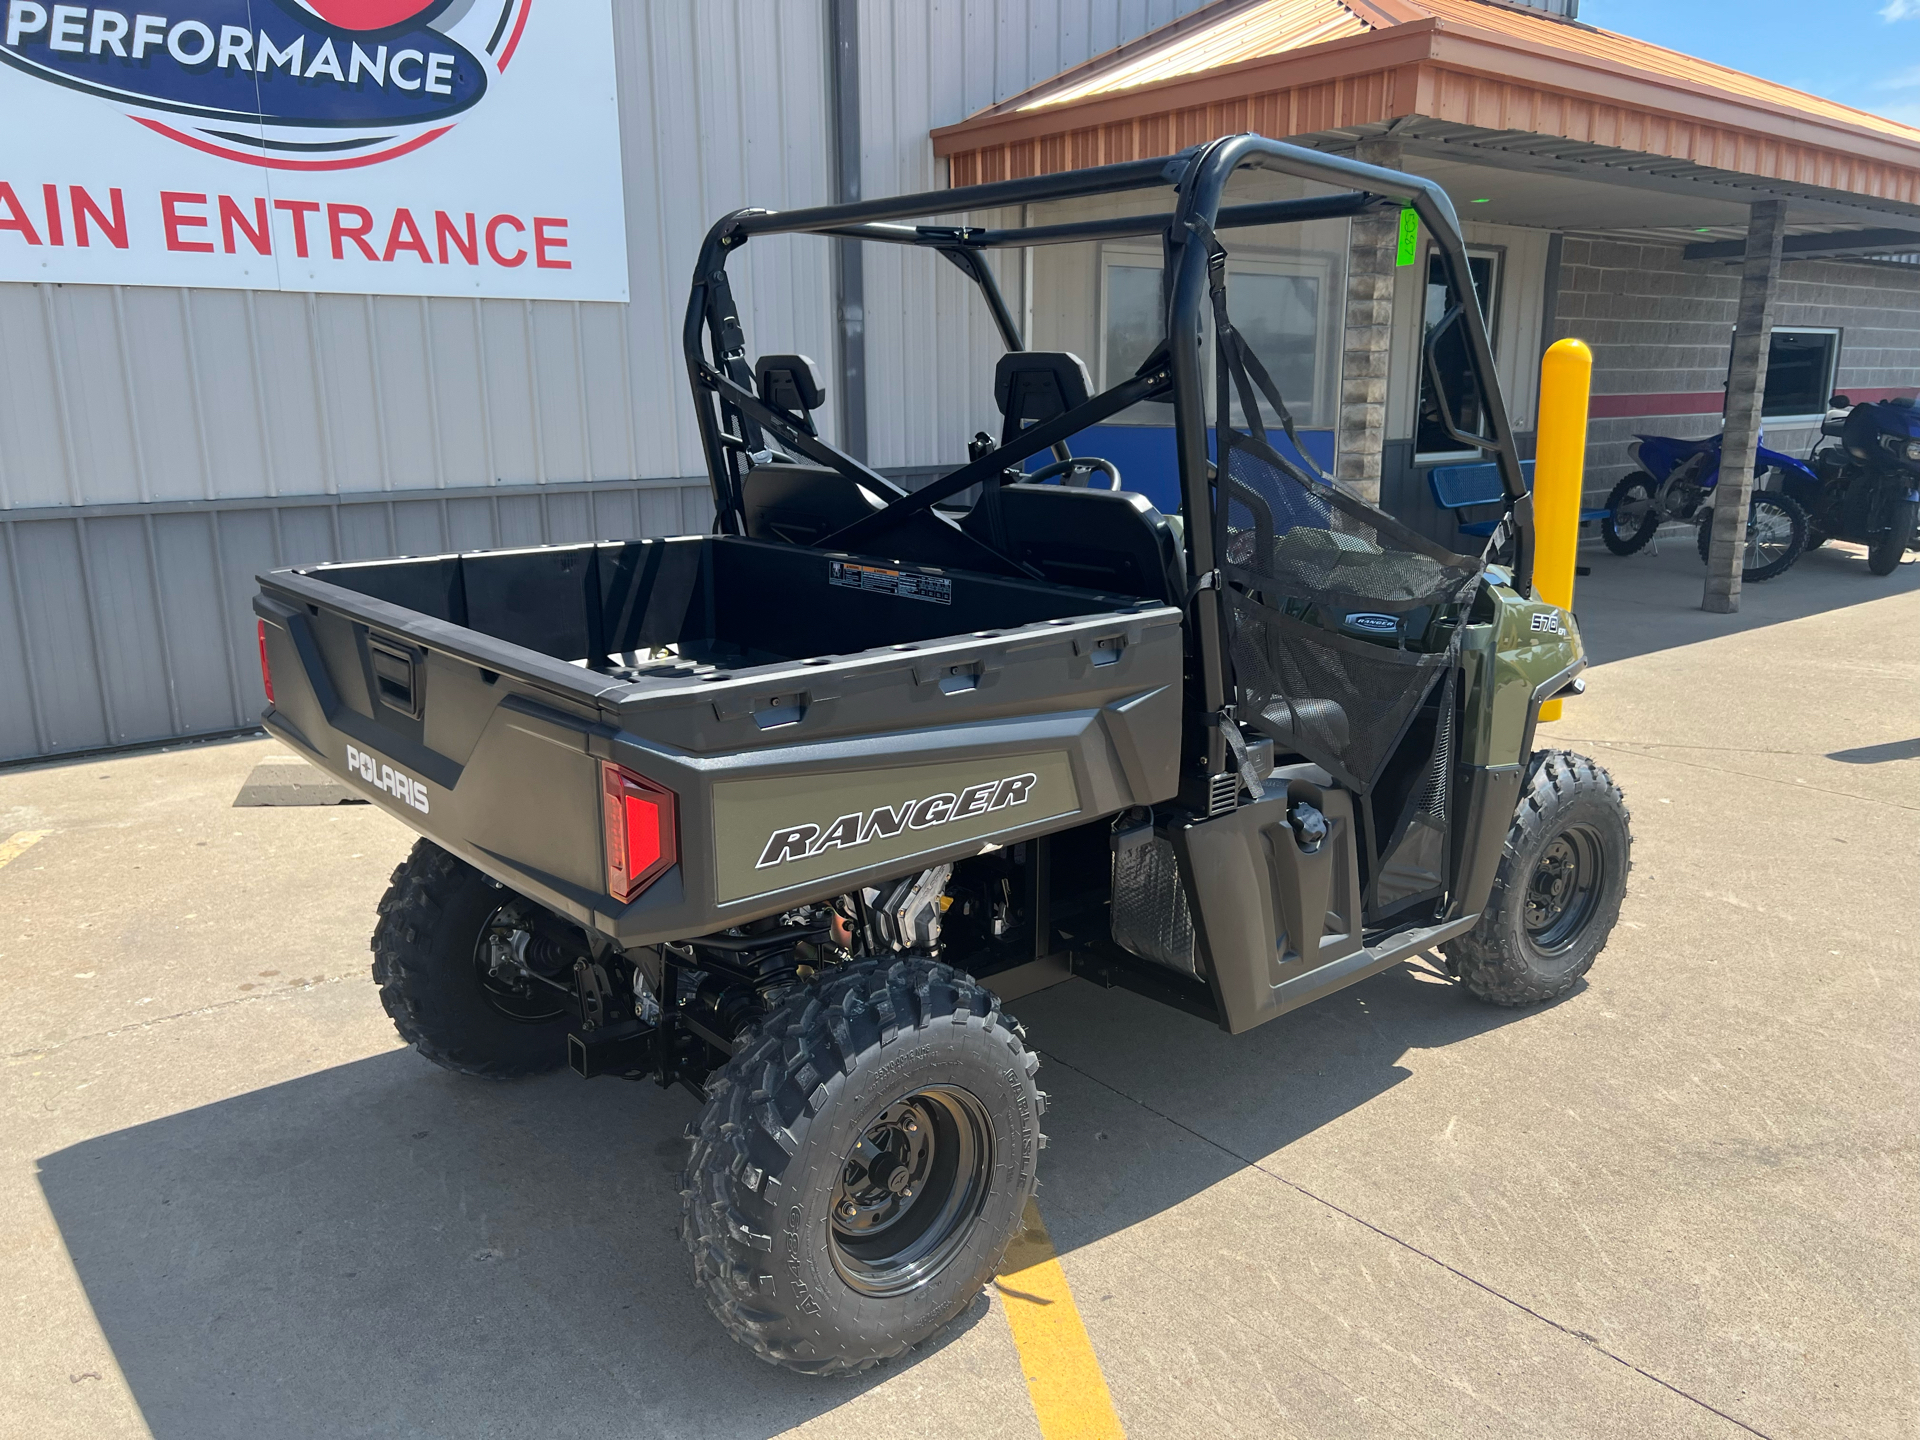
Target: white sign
412	147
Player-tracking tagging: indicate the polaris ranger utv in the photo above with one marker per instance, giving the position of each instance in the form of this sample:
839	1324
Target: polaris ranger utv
783	813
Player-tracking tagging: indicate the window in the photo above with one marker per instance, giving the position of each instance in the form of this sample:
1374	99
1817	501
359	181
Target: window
1134	321
1277	306
1800	371
1454	363
1277	313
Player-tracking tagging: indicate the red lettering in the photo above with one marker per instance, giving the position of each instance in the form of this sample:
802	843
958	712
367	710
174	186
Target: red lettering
16	215
299	209
176	222
493	247
339	233
259	234
412	240
443	231
83	206
543	242
51	194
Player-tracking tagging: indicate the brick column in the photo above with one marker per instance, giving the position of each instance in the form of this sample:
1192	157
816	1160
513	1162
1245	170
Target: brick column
1746	387
1368	341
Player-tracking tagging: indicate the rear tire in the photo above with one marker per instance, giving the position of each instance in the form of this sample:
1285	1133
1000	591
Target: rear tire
1884	555
863	1161
433	920
1633	499
1557	892
1769	512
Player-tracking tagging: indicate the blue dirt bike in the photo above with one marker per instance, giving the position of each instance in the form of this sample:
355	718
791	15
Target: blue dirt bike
1676	480
1865	487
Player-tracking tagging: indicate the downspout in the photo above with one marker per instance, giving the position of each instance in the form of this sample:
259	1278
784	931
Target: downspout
849	278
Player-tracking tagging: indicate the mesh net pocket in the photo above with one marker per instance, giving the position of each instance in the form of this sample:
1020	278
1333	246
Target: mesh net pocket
1336	612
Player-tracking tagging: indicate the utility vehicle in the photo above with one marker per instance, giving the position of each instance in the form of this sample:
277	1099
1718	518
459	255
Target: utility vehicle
784	813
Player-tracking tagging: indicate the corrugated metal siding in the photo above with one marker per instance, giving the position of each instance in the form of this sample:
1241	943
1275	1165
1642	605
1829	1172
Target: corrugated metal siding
924	65
127	623
1269	29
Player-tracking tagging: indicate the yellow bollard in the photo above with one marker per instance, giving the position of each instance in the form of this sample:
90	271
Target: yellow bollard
1559	467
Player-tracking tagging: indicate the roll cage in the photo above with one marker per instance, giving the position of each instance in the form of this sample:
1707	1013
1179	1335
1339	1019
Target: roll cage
734	420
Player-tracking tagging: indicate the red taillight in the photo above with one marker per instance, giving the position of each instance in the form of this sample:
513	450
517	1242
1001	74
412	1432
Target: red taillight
642	835
266	670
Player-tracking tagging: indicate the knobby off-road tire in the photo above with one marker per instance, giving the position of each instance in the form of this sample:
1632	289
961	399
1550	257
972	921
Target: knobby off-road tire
786	1193
1636	490
1771	508
1883	556
432	920
1557	891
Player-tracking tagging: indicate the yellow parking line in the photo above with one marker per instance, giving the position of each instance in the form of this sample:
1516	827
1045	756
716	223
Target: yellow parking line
1069	1394
18	843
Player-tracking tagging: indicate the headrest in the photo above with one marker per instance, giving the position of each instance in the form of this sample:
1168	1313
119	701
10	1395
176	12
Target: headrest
789	382
1031	386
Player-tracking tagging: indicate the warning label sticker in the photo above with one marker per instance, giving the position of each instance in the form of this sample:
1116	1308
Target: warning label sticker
936	589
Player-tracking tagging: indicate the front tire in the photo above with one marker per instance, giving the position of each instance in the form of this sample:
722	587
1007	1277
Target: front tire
1631	518
1884	555
430	961
1776	534
1557	892
861	1165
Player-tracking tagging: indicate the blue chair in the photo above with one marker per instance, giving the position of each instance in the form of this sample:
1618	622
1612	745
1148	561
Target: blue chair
1467	487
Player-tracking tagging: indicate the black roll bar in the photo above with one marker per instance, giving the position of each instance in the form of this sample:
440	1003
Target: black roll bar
1199	177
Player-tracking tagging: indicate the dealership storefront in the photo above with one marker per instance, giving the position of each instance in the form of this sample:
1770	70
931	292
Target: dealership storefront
1610	190
297	280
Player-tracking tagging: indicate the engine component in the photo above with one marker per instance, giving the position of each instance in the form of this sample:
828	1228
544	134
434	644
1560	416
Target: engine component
907	912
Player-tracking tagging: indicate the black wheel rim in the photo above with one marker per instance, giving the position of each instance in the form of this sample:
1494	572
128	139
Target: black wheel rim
1564	889
507	987
910	1190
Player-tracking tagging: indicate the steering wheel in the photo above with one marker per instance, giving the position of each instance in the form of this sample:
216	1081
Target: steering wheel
1064	468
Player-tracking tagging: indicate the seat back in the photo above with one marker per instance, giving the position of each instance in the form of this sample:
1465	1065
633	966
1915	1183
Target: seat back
802	504
789	382
1111	540
1033	386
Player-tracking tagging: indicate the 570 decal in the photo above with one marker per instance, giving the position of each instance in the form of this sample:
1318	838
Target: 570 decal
797	842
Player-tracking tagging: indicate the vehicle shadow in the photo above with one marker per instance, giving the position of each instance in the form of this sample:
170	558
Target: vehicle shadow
1643	603
382	1248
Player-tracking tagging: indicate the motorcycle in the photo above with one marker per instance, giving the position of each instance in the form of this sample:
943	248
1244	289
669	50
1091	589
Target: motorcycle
1865	487
1676	480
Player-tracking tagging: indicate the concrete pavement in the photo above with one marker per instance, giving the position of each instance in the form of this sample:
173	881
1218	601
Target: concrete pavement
1681	1202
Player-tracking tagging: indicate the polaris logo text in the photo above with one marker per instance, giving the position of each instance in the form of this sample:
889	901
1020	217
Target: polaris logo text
797	842
403	788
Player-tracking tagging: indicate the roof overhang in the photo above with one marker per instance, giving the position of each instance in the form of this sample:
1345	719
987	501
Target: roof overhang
1477	82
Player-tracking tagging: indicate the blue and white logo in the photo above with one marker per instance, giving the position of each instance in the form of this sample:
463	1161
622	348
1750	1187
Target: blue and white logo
288	84
1368	624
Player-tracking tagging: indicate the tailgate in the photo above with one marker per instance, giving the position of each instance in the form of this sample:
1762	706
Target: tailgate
479	745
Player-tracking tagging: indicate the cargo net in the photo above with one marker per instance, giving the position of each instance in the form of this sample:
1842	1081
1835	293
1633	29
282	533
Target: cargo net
1330	602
